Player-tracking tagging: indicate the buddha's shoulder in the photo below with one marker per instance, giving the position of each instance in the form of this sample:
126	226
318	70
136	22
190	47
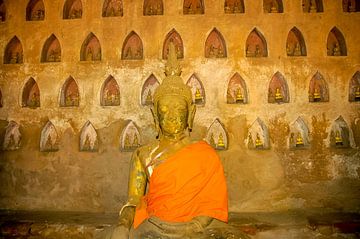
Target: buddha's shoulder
143	151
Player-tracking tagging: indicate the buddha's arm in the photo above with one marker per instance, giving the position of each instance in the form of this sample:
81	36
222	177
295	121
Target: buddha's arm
136	189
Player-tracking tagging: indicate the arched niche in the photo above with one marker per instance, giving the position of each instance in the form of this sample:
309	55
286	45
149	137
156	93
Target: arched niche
110	92
197	89
318	89
354	88
88	138
312	6
193	7
256	45
234	6
237	92
351	6
215	46
258	136
132	48
336	45
148	89
340	134
273	6
90	49
295	44
278	89
174	37
35	10
153	7
73	9
51	51
12	138
70	96
2	11
13	52
217	136
130	137
49	138
1	99
299	134
112	8
31	94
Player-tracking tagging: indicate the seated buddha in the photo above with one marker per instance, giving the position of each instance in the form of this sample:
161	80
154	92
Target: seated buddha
187	191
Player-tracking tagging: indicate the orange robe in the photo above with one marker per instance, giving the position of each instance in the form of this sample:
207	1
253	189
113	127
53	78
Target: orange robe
190	183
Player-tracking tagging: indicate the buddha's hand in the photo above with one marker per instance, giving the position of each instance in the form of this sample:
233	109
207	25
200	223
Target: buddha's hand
186	228
120	232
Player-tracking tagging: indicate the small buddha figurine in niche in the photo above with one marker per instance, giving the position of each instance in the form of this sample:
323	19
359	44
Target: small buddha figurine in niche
89	54
274	7
316	95
258	142
357	94
48	144
212	140
227	8
127	144
248	52
238	8
239	96
313	7
87	144
149	99
297	50
150	10
289	52
220	144
11	143
278	95
158	9
198	96
250	141
14	58
299	140
338	138
336	50
135	143
352	7
257	51
212	51
34	101
220	52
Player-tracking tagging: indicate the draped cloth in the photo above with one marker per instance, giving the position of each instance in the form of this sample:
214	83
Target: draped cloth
188	184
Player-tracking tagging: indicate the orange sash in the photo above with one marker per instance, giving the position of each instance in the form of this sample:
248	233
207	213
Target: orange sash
188	184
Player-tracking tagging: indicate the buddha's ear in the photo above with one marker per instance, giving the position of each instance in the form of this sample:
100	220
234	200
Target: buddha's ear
156	121
192	111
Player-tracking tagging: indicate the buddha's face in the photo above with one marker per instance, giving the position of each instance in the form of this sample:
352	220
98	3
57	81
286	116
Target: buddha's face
173	115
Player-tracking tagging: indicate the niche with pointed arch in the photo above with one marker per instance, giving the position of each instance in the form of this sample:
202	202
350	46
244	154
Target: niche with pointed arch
354	88
112	8
130	137
318	89
215	46
31	94
70	96
110	92
258	136
13	52
340	134
336	45
197	90
273	6
351	6
217	136
12	137
278	89
312	6
51	51
2	11
237	92
89	141
132	48
153	7
174	37
256	45
193	7
35	10
299	135
295	43
49	138
73	9
90	49
234	6
148	90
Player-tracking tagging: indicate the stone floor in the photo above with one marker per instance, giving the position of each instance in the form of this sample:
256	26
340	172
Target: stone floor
280	225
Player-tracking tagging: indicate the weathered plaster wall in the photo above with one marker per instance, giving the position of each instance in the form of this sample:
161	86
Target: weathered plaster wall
274	179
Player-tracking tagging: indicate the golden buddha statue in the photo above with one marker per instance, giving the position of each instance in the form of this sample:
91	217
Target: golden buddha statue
165	212
89	54
338	138
198	96
316	95
336	50
258	141
299	140
220	144
239	96
127	144
278	95
48	144
135	141
297	50
274	7
212	140
313	7
87	144
148	100
357	94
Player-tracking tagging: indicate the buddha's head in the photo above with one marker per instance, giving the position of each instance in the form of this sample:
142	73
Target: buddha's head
173	107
